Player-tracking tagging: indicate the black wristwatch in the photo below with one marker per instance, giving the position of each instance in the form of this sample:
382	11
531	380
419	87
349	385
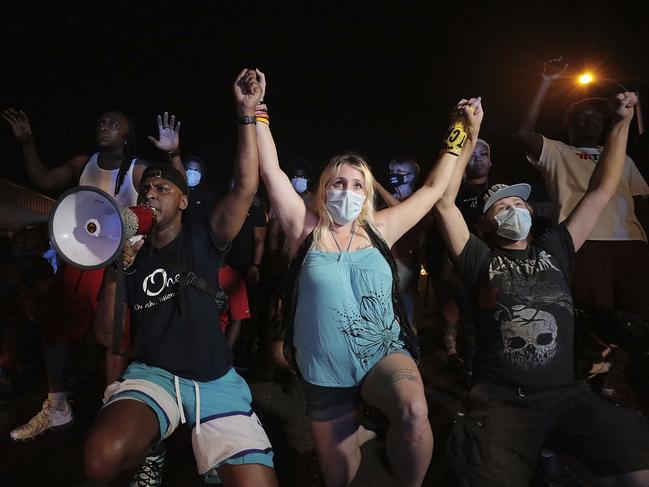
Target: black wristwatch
246	120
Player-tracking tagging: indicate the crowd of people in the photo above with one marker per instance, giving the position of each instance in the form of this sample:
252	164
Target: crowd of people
317	276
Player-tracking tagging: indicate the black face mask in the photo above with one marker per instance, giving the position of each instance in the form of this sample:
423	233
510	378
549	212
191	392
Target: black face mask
397	179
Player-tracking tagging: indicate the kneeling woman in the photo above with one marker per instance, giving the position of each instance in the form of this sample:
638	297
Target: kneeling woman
351	343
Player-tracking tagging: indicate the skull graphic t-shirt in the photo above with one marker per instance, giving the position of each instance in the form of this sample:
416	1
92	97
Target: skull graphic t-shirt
522	309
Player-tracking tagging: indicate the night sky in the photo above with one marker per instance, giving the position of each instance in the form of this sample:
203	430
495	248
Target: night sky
375	77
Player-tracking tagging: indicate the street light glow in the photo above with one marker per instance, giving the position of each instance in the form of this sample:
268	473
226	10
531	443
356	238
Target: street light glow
585	79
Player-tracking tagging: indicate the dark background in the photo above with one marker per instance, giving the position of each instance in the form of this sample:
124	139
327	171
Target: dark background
374	77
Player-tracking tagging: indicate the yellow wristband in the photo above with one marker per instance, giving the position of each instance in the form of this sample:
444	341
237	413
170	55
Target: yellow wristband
263	120
455	139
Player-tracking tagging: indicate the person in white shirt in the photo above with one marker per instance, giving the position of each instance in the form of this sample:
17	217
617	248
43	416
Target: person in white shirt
612	268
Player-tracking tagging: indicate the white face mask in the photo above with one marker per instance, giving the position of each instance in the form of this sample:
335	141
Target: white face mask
299	184
514	223
193	177
344	206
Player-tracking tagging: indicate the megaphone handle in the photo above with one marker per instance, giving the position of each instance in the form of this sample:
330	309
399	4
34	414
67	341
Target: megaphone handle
118	320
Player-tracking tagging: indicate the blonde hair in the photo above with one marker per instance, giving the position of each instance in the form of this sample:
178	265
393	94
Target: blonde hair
329	174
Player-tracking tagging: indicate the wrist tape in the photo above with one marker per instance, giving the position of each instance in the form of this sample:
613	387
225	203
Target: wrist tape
455	139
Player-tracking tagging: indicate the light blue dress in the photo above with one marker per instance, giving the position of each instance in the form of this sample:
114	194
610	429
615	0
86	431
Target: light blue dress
344	320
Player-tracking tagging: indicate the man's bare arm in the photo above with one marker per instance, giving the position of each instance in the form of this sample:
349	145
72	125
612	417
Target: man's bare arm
39	175
103	318
229	214
531	141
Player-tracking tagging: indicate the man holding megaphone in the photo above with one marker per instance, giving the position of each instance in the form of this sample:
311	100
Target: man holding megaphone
114	169
182	369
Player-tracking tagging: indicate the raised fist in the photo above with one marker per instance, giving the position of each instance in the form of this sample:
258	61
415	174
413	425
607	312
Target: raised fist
622	104
130	252
470	113
247	89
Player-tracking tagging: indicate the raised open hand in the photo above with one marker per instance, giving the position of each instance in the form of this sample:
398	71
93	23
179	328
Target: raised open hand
554	68
247	90
19	123
168	133
622	104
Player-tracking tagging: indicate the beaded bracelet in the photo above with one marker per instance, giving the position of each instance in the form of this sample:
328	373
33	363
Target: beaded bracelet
261	113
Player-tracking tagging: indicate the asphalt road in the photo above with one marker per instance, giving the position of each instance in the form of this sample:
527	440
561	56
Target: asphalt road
55	459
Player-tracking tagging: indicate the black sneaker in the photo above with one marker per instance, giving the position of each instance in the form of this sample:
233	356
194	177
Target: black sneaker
552	472
150	472
455	363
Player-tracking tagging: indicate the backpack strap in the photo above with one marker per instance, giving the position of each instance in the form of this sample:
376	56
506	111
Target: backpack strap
290	304
407	335
190	278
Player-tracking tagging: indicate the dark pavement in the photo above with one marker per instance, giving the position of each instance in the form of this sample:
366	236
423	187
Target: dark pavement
55	459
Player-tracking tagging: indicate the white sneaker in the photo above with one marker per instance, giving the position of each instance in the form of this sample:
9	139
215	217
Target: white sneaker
47	418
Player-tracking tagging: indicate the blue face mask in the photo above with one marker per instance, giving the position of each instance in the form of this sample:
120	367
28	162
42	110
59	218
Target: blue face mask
193	177
514	223
299	184
344	206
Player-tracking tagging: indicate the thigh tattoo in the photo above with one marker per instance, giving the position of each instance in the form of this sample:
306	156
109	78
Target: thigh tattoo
403	374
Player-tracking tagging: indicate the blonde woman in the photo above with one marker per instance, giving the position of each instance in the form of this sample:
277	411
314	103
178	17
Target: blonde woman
350	343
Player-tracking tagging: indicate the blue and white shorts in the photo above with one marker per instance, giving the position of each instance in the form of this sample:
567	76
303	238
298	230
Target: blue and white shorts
228	431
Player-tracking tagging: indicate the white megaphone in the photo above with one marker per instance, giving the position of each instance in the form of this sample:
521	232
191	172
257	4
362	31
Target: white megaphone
88	228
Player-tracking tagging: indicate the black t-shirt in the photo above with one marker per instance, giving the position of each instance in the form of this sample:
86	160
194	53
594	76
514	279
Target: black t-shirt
469	201
241	255
178	330
522	309
201	203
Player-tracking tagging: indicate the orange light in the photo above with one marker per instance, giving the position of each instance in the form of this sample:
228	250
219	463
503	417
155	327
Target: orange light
585	79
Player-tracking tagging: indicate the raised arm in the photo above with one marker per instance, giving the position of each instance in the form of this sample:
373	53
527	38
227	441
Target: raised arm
292	213
607	174
231	211
449	219
531	141
38	174
389	199
393	222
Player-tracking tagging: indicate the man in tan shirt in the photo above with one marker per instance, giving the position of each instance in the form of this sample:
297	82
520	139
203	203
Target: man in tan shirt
612	267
